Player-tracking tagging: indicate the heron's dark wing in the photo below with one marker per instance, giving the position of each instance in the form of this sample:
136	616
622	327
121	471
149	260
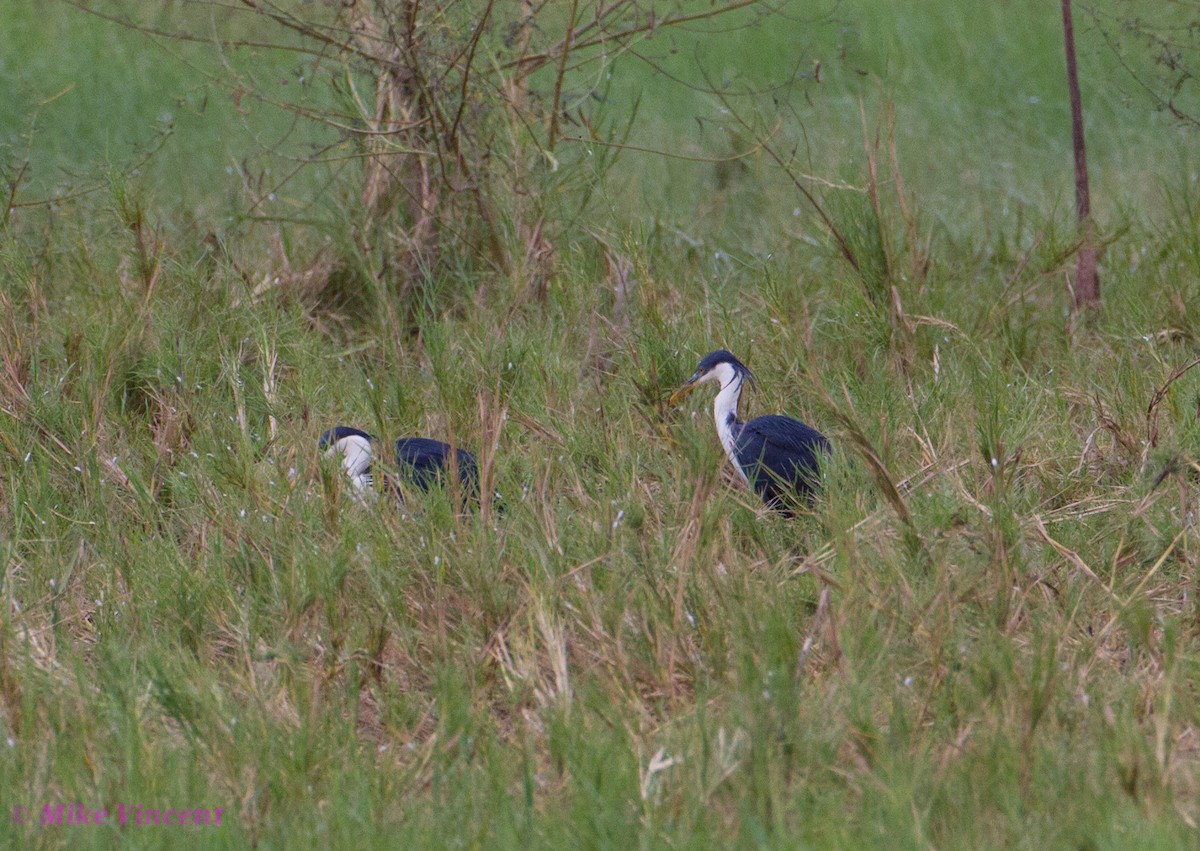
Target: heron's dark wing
780	454
424	461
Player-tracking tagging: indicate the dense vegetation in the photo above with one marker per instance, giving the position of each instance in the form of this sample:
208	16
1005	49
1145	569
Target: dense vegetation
986	634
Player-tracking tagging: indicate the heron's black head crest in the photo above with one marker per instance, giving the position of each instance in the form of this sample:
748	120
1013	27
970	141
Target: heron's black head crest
713	359
337	433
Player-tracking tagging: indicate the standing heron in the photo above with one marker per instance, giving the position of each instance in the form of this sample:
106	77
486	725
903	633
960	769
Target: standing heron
779	457
420	461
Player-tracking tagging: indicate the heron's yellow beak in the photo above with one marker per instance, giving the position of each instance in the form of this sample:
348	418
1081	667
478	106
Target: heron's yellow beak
683	391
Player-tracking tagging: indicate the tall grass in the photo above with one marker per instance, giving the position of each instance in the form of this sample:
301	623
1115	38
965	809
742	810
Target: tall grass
984	635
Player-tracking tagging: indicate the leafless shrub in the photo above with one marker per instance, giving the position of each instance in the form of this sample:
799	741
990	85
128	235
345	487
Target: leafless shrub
1158	48
452	125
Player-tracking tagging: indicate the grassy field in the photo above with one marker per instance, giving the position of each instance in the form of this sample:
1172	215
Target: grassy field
995	648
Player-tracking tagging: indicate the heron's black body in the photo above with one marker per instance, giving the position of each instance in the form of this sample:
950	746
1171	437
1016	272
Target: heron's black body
426	462
779	457
420	461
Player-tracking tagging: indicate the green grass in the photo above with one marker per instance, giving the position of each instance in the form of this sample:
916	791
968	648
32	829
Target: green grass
198	614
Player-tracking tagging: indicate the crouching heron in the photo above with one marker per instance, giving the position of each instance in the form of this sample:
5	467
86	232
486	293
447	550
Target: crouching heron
420	461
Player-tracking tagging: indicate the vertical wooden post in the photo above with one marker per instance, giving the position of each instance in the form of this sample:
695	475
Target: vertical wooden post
1087	281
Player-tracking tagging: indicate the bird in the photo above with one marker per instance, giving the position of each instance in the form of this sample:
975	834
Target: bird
777	456
420	461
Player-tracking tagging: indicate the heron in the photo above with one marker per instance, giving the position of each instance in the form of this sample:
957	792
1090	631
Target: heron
777	456
420	461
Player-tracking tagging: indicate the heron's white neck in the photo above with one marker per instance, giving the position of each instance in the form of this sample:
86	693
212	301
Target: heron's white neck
725	409
356	458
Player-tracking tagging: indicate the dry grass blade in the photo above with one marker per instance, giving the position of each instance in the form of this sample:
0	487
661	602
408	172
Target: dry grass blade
823	615
1124	604
1070	555
14	356
1159	395
866	450
492	416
